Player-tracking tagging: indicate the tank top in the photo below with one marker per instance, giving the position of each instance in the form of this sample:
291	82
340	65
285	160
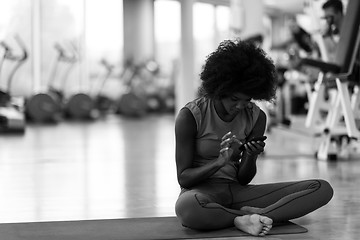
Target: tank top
211	128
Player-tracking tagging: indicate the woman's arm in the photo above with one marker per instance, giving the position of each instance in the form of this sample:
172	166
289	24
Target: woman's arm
185	134
247	166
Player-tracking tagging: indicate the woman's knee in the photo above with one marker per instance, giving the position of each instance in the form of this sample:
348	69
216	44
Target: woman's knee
323	190
190	210
327	191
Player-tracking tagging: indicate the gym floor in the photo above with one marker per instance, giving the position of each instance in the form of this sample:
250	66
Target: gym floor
122	168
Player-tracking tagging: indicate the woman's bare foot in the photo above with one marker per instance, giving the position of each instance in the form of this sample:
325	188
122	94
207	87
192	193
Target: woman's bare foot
254	224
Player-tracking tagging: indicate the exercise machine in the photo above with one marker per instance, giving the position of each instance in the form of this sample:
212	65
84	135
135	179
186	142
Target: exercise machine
47	106
162	86
339	130
144	93
12	116
102	102
79	106
55	104
132	103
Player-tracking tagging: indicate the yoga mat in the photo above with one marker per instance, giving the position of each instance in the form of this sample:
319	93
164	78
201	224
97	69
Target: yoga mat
156	228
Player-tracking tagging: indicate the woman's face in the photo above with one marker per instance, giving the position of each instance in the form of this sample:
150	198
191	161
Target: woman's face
236	102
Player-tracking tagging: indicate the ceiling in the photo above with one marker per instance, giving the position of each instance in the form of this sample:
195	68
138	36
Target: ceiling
272	6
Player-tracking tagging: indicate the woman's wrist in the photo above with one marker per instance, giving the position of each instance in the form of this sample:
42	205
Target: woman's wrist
220	162
249	155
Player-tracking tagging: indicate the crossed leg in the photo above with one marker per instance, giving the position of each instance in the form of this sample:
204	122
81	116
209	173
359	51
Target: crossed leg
196	210
283	201
251	208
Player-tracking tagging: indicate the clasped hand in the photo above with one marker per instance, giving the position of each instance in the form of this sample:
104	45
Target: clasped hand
230	147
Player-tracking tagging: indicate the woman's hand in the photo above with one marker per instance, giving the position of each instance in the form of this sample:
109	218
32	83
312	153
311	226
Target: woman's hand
229	148
254	147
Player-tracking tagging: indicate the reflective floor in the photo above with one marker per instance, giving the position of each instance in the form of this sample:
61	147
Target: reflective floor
119	167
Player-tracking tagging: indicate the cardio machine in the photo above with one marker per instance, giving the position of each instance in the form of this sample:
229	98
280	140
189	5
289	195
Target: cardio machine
12	116
79	106
46	106
102	102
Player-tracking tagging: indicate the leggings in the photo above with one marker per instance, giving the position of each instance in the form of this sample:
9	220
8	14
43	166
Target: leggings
215	204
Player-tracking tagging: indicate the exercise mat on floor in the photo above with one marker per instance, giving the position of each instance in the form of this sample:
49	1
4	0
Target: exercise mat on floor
122	229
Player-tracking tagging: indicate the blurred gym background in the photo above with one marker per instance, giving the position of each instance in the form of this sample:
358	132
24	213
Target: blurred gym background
90	90
87	59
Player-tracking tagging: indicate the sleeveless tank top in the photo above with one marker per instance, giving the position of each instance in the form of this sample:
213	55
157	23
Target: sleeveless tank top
211	128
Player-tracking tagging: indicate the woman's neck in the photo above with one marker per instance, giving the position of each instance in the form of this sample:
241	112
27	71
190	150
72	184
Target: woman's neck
221	111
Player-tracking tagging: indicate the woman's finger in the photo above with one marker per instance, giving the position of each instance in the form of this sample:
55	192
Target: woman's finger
226	142
235	139
225	149
254	148
227	135
250	147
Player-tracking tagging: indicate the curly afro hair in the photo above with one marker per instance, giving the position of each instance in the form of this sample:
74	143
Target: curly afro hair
238	67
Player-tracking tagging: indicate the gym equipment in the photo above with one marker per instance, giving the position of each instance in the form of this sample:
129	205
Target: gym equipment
164	90
154	99
275	111
68	60
131	102
12	116
42	107
54	105
151	228
143	92
47	106
79	105
102	102
340	120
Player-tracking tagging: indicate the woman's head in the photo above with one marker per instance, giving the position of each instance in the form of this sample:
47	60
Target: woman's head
238	67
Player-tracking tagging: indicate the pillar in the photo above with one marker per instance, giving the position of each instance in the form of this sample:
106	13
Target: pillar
185	84
138	30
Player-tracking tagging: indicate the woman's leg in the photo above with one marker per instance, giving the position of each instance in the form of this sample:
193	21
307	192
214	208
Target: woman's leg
283	201
199	210
204	209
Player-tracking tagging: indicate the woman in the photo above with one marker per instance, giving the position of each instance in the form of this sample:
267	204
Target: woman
214	164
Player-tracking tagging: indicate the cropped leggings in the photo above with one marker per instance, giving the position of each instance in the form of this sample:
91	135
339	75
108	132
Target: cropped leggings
215	204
